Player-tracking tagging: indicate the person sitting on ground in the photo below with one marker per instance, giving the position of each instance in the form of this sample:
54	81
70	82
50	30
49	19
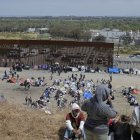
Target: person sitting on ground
5	75
74	123
120	128
98	114
2	98
132	100
37	84
27	83
135	123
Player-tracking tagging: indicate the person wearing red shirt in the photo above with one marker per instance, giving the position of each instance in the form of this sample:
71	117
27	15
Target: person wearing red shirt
75	123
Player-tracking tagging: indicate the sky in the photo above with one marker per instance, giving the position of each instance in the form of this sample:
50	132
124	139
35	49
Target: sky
69	8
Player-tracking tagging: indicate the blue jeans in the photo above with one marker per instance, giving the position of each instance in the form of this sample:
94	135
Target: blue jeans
69	134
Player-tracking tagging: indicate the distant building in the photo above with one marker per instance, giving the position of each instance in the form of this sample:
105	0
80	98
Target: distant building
126	63
39	30
110	35
137	38
31	30
43	30
137	41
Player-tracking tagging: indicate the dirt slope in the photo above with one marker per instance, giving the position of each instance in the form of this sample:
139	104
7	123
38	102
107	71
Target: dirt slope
18	123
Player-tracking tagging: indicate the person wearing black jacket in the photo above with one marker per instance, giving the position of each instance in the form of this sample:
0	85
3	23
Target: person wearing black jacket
120	128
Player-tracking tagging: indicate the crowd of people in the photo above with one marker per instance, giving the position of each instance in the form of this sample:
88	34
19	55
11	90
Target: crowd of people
92	117
102	121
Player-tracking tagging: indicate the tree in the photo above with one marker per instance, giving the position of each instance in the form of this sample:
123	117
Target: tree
126	39
86	35
100	38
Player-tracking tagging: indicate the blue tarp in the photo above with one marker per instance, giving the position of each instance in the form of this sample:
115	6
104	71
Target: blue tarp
113	70
44	66
87	94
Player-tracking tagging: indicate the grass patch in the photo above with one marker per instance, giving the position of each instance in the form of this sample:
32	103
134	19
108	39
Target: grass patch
23	35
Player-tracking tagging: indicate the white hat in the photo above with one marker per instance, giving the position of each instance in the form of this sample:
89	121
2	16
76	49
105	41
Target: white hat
75	106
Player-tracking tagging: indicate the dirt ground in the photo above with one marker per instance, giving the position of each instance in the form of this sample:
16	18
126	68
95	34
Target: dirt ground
19	122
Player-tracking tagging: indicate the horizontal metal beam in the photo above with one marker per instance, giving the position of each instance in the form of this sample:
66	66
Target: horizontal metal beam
57	43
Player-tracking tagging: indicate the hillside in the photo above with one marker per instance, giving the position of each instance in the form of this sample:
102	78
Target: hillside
19	123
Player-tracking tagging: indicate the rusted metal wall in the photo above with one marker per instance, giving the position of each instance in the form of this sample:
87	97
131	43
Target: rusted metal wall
73	53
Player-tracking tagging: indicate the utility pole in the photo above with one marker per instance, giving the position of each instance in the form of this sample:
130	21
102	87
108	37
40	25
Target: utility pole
19	53
118	46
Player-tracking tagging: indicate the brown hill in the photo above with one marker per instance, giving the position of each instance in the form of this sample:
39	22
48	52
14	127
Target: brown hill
19	123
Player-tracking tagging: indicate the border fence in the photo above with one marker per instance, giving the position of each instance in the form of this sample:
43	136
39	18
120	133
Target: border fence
72	53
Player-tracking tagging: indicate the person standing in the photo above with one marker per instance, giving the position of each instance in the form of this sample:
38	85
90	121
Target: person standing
51	76
98	114
17	78
135	122
110	76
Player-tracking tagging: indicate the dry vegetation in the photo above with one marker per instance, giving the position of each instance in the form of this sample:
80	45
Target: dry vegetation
19	123
17	35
